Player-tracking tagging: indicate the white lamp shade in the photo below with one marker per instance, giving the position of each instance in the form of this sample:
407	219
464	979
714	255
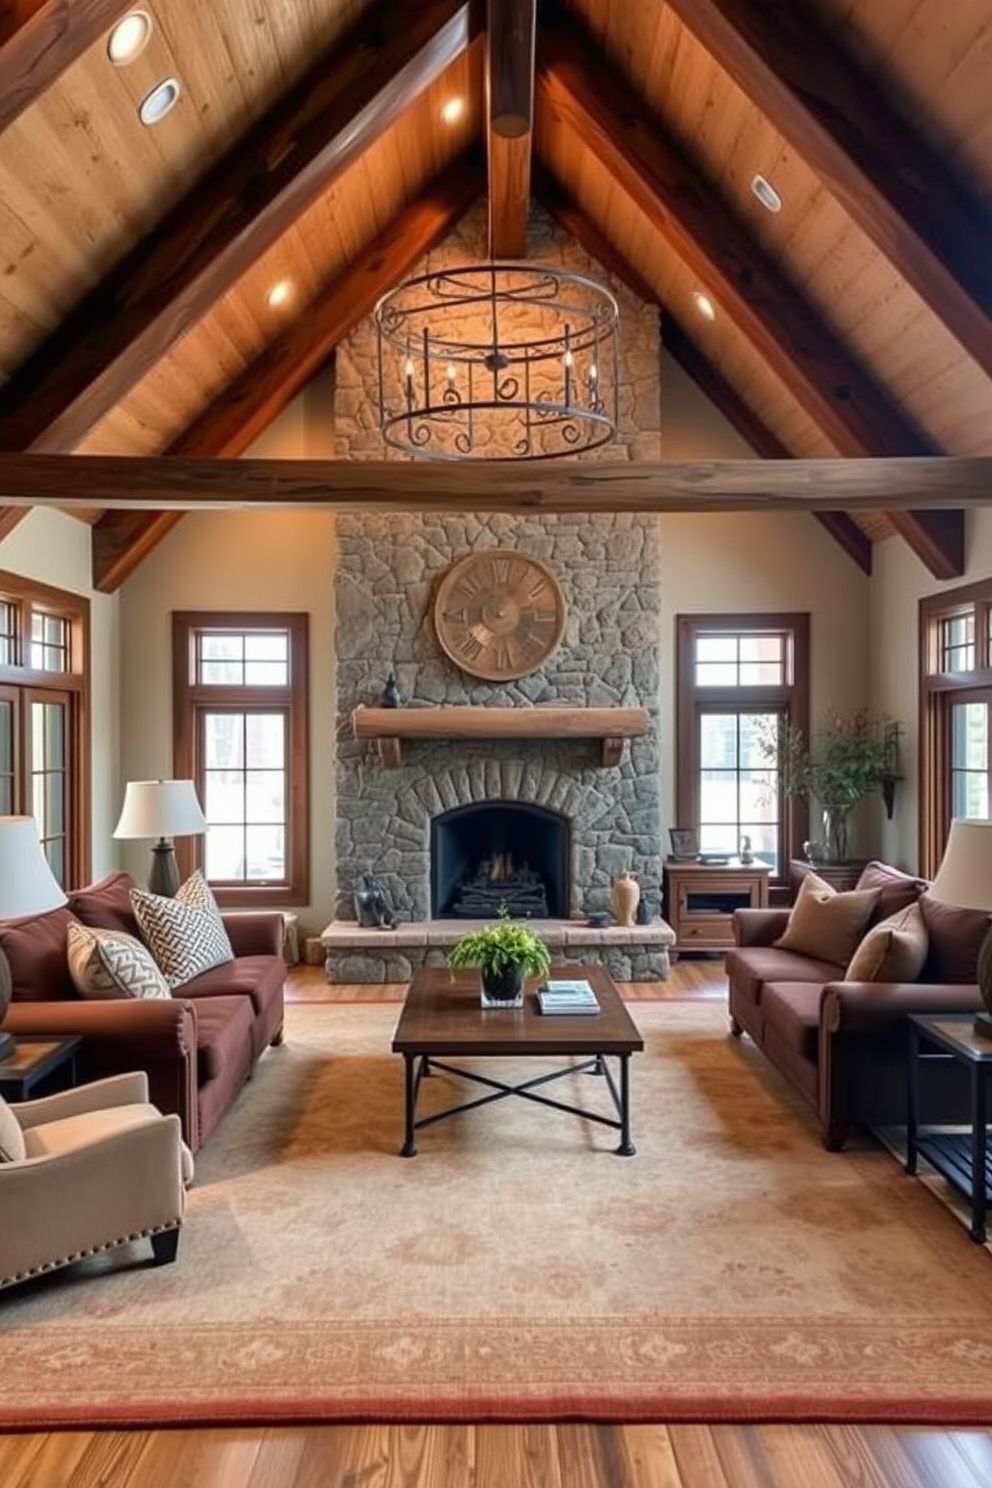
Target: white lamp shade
27	884
964	877
160	808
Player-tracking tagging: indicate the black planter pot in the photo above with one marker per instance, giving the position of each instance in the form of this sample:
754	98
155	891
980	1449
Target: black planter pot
503	991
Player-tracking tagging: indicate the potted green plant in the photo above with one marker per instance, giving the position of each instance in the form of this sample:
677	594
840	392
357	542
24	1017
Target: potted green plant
505	951
844	761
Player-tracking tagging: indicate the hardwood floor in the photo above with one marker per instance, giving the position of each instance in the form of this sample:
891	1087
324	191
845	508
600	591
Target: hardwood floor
572	1455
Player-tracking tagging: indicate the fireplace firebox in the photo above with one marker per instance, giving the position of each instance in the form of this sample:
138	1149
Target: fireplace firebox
494	853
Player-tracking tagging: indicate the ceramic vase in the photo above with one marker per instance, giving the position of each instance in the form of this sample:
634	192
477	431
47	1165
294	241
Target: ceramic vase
626	895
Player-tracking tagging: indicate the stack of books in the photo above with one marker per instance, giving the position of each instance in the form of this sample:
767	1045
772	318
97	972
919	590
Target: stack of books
567	998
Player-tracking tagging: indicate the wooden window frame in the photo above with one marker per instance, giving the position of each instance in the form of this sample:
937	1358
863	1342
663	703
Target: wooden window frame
792	697
190	697
937	691
25	684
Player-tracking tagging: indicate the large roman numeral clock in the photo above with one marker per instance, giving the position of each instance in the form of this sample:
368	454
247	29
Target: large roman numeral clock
499	614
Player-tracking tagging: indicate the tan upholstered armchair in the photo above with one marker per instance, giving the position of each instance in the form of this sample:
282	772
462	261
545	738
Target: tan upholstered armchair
86	1170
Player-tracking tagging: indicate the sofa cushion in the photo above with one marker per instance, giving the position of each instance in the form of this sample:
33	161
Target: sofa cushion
35	952
792	1009
894	950
749	967
223	1037
108	963
955	937
897	890
106	905
186	935
826	924
12	1148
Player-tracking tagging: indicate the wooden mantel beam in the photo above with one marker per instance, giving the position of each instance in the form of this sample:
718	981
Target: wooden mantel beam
39	39
510	32
167	483
584	94
227	221
894	184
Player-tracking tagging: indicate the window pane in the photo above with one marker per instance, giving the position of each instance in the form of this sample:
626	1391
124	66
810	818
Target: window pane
957	643
745	660
970	759
8	634
49	642
738	790
265	735
223	740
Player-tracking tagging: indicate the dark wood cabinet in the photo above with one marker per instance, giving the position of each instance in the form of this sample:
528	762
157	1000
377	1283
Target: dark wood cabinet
700	899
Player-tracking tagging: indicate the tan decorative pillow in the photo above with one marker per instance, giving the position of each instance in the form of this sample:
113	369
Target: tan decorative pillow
11	1136
111	963
186	935
894	950
825	924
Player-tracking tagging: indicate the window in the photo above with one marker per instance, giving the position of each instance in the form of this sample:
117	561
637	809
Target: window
738	677
955	722
240	699
44	694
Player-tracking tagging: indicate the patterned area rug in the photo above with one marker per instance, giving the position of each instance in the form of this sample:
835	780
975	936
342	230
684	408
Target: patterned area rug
517	1268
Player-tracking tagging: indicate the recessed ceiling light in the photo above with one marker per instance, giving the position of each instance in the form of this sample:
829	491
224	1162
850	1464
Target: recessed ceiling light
280	292
704	304
453	110
160	101
766	194
129	37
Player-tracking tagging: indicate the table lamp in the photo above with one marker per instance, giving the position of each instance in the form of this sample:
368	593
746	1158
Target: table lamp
162	809
27	887
964	878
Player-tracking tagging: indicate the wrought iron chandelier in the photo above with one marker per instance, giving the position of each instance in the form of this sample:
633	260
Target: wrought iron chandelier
497	361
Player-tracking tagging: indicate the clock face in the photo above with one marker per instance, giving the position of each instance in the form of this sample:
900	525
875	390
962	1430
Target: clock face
499	614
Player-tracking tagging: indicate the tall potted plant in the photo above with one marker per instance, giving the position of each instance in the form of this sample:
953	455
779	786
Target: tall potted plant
506	952
845	760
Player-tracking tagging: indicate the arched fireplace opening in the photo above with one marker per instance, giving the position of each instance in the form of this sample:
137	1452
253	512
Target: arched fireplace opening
499	852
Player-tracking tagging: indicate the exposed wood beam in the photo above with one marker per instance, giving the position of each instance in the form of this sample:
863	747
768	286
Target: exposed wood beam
570	216
509	122
9	518
743	419
169	483
227	221
228	427
582	92
894	185
39	39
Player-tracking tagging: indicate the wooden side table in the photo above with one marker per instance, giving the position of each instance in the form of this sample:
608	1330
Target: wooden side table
960	1157
840	876
48	1063
700	899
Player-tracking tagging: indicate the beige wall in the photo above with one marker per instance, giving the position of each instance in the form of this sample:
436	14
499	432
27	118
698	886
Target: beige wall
55	549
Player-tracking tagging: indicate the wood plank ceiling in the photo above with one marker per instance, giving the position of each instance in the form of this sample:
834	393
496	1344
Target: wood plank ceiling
309	145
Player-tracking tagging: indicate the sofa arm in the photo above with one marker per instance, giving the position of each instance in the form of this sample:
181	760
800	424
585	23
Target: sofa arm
257	932
850	1006
159	1026
99	1095
758	927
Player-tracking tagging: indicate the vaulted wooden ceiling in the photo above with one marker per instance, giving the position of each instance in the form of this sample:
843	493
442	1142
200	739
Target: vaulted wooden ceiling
308	145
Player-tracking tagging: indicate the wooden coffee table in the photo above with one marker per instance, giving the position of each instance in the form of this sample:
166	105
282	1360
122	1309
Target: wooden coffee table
442	1016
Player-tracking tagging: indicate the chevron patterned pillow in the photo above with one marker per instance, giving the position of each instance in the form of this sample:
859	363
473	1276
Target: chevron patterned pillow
110	963
186	935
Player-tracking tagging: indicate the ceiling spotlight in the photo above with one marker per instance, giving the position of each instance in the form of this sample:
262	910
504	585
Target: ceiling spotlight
280	292
704	304
159	102
453	110
129	37
766	194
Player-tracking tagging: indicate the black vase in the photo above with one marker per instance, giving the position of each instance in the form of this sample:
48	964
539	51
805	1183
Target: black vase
503	989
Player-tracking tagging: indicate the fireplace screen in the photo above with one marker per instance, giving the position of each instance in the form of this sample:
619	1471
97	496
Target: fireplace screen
495	853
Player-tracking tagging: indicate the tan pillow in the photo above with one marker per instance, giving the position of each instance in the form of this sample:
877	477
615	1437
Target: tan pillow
11	1136
110	963
894	950
825	924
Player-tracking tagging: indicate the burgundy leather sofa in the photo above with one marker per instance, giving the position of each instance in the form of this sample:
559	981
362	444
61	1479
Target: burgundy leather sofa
197	1048
844	1045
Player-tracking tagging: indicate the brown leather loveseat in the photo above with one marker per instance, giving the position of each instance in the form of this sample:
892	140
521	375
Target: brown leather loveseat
843	1044
197	1047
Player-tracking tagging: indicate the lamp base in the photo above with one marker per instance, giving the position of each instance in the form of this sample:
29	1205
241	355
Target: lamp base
164	877
983	1024
8	1044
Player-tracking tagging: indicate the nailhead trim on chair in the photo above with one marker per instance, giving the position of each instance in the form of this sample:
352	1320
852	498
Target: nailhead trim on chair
80	1255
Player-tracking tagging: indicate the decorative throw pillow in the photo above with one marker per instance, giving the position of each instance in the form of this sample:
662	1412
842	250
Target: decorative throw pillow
186	935
825	924
898	889
12	1147
110	963
894	950
956	936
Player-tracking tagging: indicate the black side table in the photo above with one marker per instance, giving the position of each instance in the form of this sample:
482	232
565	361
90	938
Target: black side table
960	1157
38	1060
